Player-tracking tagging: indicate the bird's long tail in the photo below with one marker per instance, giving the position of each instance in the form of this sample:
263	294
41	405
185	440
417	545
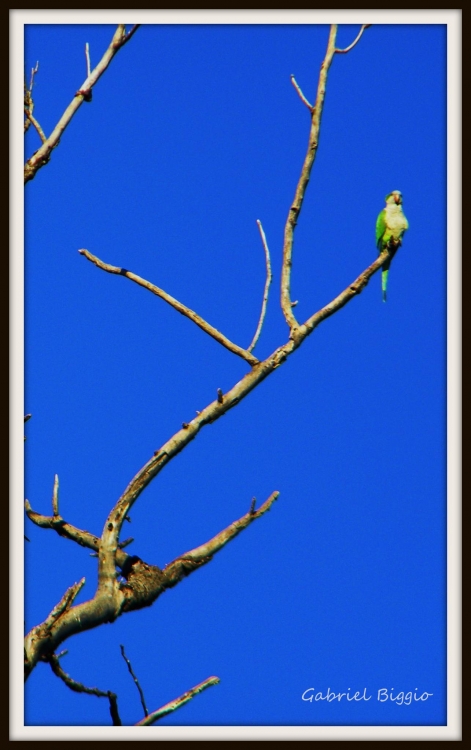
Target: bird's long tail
384	282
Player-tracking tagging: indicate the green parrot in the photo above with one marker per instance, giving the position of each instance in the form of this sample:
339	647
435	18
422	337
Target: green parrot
390	226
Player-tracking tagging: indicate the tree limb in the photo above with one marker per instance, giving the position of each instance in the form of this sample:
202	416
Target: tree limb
144	584
240	390
297	203
28	98
177	703
136	681
186	563
300	93
66	530
78	687
36	125
267	287
200	322
355	41
42	156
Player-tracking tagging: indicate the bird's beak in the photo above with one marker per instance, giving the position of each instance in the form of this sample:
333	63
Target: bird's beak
397	199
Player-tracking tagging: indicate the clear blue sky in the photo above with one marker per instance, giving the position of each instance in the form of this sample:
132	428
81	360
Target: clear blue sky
194	132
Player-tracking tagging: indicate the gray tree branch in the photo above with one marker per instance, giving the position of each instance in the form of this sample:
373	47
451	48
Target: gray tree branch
42	155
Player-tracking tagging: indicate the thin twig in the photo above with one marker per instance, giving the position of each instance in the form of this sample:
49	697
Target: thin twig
28	99
126	542
129	34
42	156
300	93
36	125
87	58
78	687
177	703
55	496
64	604
200	322
267	287
136	681
33	73
355	41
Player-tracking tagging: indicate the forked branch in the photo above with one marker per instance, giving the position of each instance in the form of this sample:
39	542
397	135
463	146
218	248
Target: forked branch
143	584
68	531
29	102
42	156
300	191
295	209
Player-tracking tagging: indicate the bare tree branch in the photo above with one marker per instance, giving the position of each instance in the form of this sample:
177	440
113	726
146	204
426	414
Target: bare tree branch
42	156
63	606
186	563
132	31
126	542
297	203
28	97
87	59
36	125
33	73
200	322
300	93
66	530
78	687
355	41
266	290
144	584
55	496
177	703
66	621
136	681
218	408
351	291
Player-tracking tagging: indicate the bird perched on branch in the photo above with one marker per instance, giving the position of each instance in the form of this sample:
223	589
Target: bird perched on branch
390	226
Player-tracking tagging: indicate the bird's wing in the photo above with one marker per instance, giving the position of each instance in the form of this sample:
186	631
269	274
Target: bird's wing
380	228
